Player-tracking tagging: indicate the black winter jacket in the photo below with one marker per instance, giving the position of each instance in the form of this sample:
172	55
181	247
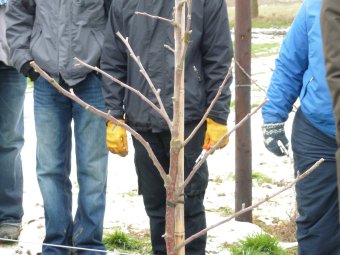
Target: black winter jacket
208	59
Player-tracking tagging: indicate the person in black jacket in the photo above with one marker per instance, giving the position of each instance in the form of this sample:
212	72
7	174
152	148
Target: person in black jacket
208	59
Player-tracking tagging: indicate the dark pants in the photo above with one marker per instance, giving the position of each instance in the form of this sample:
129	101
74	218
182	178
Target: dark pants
318	229
151	186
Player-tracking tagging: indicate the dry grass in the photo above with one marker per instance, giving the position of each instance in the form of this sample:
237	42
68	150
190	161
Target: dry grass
283	230
270	15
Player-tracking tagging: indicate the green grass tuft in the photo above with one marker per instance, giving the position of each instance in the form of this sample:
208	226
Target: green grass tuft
261	178
265	49
258	244
118	240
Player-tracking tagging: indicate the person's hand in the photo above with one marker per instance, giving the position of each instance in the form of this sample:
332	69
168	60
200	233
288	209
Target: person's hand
275	139
116	139
214	133
29	71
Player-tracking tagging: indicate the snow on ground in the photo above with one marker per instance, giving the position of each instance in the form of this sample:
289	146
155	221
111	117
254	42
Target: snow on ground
125	207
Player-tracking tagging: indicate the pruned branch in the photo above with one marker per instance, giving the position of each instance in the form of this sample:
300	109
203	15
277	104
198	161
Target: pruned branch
107	116
204	231
189	8
213	148
212	104
187	32
169	48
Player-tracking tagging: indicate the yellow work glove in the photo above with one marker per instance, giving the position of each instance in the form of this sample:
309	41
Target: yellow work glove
116	139
214	132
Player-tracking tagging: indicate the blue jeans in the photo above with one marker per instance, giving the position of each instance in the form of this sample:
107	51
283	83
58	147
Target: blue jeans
318	228
54	113
12	94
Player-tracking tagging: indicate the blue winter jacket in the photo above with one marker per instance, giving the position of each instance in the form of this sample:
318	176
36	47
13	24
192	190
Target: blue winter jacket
300	73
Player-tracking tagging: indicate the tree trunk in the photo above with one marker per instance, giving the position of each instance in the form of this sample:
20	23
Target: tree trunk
175	230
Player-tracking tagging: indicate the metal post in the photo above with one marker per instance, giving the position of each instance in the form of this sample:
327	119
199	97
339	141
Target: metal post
243	149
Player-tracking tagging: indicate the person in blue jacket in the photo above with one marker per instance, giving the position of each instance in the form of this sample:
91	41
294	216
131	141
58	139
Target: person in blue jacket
300	74
208	59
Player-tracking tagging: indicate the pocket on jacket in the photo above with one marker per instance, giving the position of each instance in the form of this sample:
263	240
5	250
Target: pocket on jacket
305	88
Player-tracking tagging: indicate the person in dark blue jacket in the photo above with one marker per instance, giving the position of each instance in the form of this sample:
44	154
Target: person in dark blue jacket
300	74
208	59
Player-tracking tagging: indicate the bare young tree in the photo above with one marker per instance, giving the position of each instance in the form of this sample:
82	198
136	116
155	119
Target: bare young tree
174	181
177	245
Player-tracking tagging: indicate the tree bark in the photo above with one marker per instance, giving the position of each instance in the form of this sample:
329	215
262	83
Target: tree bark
175	228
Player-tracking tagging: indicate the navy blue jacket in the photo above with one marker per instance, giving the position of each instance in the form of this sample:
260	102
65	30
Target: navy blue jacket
208	59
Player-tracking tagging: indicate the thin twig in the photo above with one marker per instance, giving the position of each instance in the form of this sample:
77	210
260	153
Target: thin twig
147	77
189	8
212	104
187	32
213	148
169	48
249	76
255	82
144	98
204	231
171	21
104	115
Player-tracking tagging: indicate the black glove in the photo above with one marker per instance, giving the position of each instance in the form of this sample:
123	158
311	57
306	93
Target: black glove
29	72
275	139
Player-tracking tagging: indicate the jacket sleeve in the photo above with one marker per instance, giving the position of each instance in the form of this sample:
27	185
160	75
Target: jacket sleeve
113	62
290	66
217	51
330	27
19	20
